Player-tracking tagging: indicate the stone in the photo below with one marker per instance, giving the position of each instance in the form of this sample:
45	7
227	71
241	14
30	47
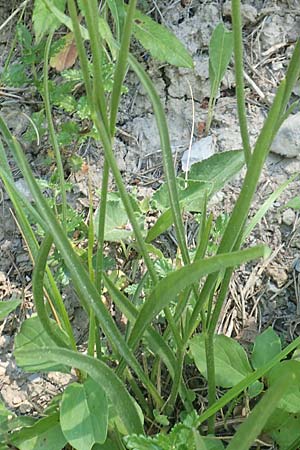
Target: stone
288	217
23	189
249	12
287	140
201	149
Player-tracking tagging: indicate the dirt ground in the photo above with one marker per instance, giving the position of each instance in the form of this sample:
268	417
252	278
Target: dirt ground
260	295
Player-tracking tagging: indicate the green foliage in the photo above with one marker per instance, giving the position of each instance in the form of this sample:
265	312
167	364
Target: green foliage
220	52
8	307
183	436
45	434
32	337
294	203
43	22
84	414
160	42
231	361
266	346
115	395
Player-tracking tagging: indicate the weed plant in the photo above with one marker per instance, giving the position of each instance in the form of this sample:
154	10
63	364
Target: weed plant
119	396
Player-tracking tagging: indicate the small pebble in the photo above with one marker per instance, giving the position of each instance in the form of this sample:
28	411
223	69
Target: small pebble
289	217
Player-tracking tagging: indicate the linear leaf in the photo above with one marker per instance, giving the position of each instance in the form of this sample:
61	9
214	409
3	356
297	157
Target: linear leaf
220	51
167	289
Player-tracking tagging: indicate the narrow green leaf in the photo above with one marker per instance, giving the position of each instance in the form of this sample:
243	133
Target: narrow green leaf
164	221
266	346
161	43
220	51
102	375
84	414
167	289
8	307
156	343
43	20
32	337
87	291
266	205
252	427
231	361
45	434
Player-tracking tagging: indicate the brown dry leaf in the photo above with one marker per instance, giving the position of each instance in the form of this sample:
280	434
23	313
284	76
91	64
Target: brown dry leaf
67	56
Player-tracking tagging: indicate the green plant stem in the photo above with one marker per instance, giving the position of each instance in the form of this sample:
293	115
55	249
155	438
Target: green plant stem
99	101
121	66
38	290
101	226
81	50
52	133
239	76
211	377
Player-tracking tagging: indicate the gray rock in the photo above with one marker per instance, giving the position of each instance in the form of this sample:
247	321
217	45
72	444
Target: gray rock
287	140
23	188
288	217
202	149
249	12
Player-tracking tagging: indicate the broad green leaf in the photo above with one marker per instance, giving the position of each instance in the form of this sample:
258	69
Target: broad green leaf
84	414
218	169
255	389
251	428
8	307
205	178
284	428
189	192
167	289
45	434
266	346
220	51
108	445
117	225
290	401
43	20
13	423
231	361
102	375
294	203
162	44
4	413
32	337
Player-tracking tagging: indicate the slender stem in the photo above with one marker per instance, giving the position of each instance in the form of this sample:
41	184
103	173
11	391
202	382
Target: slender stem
239	76
52	133
101	225
81	50
121	66
211	377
